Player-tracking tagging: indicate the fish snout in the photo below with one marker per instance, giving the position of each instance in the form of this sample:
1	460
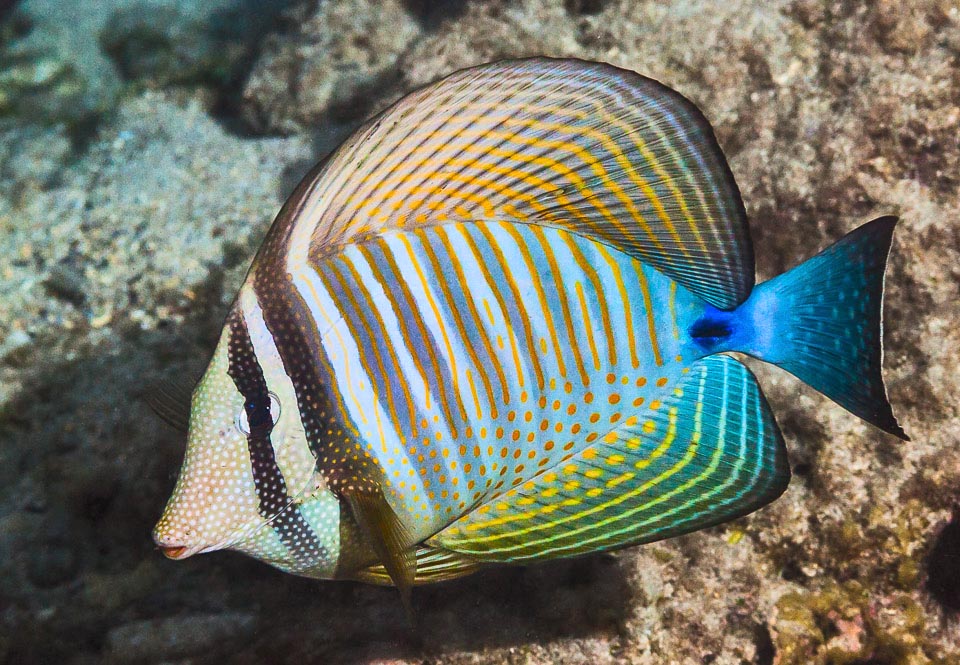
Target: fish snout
173	547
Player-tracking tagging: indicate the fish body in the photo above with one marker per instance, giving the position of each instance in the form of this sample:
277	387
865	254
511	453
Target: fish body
491	328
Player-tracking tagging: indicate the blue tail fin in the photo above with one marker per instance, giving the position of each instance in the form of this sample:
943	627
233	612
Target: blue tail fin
822	322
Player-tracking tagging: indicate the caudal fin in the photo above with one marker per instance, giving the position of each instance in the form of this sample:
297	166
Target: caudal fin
823	322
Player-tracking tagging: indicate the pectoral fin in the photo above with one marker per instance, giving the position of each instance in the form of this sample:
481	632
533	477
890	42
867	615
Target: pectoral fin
388	537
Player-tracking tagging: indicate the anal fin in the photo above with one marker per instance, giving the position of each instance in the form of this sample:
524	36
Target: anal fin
712	452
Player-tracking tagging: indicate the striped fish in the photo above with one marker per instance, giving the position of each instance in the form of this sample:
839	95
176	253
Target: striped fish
490	328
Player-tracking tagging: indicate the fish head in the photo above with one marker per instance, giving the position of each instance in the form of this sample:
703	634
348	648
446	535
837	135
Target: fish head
260	495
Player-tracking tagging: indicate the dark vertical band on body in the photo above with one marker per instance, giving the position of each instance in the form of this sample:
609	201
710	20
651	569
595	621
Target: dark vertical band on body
333	440
274	500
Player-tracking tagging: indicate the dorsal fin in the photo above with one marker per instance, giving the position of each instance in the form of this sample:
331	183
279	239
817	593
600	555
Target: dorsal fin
587	147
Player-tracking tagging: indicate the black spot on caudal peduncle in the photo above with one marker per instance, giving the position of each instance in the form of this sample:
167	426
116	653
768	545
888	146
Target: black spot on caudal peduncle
712	329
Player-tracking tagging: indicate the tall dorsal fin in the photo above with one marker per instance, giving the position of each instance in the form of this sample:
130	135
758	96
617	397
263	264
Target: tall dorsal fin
587	147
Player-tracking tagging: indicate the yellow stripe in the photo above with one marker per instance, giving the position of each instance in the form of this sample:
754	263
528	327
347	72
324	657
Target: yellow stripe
401	322
443	328
673	309
588	326
343	347
372	310
473	391
541	296
475	315
414	309
598	292
515	292
564	305
648	306
627	315
363	360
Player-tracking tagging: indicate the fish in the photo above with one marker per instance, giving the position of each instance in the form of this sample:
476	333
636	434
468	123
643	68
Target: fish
495	326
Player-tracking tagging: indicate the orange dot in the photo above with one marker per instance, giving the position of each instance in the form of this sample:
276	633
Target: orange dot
588	397
476	451
523	396
499	432
528	416
568	445
531	454
463	450
542	402
611	378
516	435
512	416
641	382
548	445
594	417
556	405
567	387
467	467
638	401
530	437
572	409
591	437
544	424
575	428
503	452
558	427
516	454
615	417
614	398
661	382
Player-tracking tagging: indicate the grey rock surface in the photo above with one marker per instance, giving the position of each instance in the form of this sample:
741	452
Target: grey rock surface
121	250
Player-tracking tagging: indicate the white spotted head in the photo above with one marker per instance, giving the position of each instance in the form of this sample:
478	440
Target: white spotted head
248	481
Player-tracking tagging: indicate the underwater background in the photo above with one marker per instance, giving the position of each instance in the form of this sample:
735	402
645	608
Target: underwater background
145	146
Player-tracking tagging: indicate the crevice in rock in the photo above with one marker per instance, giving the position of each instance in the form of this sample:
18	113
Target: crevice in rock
942	564
766	651
431	13
584	7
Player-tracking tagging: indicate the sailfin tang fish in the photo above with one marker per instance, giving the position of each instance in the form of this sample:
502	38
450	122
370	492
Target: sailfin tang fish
492	327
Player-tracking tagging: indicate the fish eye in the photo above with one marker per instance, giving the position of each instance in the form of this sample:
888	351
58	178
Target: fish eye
243	422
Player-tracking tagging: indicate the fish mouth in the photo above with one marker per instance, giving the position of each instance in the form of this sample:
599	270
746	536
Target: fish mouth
175	552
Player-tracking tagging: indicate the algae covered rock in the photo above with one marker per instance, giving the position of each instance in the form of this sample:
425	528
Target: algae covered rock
333	57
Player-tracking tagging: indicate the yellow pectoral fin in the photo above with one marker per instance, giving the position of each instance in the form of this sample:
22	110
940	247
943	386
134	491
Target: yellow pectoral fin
387	537
433	565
